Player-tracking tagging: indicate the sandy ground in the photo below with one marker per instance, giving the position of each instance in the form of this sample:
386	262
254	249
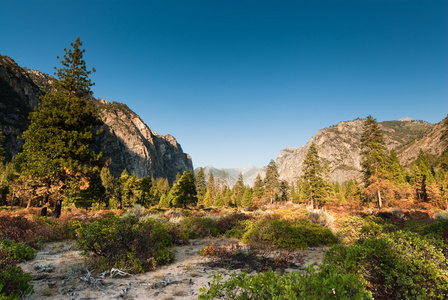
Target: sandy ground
58	270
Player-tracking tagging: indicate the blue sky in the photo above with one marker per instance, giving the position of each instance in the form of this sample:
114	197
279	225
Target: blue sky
236	81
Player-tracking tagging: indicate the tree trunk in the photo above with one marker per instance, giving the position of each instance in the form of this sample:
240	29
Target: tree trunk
380	203
44	209
58	209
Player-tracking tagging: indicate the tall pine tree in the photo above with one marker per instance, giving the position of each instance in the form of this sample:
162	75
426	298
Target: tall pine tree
373	158
56	156
271	182
313	183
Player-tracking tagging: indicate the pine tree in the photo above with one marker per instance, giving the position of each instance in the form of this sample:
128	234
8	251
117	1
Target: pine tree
258	187
422	176
200	185
184	191
218	200
211	186
247	200
271	182
56	155
312	180
373	157
394	168
238	191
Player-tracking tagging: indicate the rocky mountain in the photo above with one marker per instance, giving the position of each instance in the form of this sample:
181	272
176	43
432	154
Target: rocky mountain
339	145
125	139
231	175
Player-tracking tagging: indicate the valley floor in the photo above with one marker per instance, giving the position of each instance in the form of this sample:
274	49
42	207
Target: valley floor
60	273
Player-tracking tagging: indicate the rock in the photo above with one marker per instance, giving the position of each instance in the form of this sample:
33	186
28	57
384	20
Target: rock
125	139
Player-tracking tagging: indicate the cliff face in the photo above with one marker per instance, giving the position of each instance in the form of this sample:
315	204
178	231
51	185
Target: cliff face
18	97
131	145
340	146
125	139
431	143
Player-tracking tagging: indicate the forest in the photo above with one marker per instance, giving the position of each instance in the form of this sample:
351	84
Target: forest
385	232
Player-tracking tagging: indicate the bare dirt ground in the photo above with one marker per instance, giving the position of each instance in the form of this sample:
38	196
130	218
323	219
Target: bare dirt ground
59	272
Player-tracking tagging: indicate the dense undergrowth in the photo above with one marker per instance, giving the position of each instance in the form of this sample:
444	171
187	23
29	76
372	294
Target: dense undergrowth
390	255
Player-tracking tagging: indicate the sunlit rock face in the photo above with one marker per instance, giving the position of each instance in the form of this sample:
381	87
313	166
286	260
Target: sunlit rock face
126	141
339	145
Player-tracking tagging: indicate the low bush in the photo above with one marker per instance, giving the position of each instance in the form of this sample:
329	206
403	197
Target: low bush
13	281
397	265
197	227
30	231
270	285
280	233
18	251
127	242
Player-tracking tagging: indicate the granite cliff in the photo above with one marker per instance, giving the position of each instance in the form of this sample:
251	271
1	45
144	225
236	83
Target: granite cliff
126	140
339	145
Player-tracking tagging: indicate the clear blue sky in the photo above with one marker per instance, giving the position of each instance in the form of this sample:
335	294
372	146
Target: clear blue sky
236	81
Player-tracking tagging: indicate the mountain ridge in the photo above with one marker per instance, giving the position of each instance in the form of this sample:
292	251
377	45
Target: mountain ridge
125	139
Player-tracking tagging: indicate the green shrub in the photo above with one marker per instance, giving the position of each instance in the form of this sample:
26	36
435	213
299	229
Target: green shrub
439	229
397	265
234	232
270	285
123	240
13	281
282	234
196	227
18	251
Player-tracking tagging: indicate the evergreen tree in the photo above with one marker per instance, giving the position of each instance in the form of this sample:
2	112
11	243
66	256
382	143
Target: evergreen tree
313	182
219	200
227	197
146	185
200	185
107	180
56	154
422	176
271	182
373	157
211	186
394	168
247	200
238	191
208	201
258	187
184	191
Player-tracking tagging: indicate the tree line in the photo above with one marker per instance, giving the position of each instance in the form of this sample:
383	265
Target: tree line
58	168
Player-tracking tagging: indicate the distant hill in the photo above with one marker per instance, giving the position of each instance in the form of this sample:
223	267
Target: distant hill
231	175
340	146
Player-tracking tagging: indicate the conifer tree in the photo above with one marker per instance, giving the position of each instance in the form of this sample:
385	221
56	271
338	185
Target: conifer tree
422	176
394	168
247	200
219	200
211	186
312	180
200	185
271	182
373	157
184	191
56	155
258	187
208	201
238	191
